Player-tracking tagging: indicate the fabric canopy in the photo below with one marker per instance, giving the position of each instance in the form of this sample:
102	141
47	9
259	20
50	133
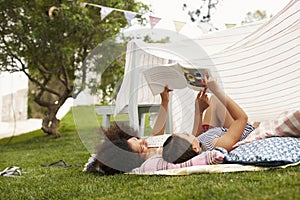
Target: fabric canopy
256	64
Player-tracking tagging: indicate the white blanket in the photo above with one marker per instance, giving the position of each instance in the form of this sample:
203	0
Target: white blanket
220	168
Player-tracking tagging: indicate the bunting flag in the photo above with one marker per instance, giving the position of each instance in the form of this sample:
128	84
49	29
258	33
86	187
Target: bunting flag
129	16
154	21
105	11
178	25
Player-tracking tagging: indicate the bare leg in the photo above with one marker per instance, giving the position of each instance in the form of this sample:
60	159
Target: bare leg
217	115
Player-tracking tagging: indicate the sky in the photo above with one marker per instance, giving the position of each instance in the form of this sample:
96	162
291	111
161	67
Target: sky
227	11
231	11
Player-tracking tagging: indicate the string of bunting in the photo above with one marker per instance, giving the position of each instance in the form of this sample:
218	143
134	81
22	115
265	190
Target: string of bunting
129	15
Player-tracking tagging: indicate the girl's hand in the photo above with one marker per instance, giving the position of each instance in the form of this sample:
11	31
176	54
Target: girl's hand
212	84
165	94
202	102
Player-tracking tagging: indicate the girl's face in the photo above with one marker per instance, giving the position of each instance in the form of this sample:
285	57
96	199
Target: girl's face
138	145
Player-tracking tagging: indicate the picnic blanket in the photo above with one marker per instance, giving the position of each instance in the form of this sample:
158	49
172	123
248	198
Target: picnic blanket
219	168
259	155
263	149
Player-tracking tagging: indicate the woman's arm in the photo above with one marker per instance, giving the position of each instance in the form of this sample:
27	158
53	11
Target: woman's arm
201	104
240	118
160	123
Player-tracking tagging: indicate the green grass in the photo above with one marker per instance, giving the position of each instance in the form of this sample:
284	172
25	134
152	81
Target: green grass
30	150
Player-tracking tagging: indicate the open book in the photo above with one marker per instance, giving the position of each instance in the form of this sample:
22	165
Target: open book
175	76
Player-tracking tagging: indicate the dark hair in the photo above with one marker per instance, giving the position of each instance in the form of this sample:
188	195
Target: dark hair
119	130
177	150
115	157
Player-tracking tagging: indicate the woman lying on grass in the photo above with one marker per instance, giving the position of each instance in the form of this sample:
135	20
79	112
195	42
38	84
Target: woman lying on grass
124	154
123	150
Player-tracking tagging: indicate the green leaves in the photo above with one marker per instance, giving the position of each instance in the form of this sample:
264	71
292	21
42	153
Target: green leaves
49	40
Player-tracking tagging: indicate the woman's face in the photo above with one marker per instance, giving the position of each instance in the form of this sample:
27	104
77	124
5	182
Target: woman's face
138	145
191	139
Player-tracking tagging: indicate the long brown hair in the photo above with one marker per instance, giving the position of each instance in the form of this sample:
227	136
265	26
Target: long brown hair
116	157
177	150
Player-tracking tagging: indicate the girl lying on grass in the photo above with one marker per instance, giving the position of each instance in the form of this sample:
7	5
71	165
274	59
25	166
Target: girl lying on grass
181	147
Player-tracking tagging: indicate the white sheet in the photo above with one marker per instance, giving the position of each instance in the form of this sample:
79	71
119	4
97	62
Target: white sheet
261	71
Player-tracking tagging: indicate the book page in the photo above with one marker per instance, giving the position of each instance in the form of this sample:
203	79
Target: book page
157	141
194	77
160	76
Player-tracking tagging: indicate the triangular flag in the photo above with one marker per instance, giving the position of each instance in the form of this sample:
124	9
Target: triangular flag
154	21
179	25
129	16
105	11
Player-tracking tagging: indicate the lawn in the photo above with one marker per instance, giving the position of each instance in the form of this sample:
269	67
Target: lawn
30	150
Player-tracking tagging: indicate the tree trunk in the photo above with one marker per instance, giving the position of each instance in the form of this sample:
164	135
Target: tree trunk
50	126
50	122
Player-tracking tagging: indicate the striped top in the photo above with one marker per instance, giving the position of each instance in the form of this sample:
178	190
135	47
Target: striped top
207	137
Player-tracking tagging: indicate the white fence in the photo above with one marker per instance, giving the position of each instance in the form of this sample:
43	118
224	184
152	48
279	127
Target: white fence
13	96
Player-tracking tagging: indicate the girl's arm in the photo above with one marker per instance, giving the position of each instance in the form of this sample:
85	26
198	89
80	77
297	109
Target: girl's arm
160	123
201	104
240	118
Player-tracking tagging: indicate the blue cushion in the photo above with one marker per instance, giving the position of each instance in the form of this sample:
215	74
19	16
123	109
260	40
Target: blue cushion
273	151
